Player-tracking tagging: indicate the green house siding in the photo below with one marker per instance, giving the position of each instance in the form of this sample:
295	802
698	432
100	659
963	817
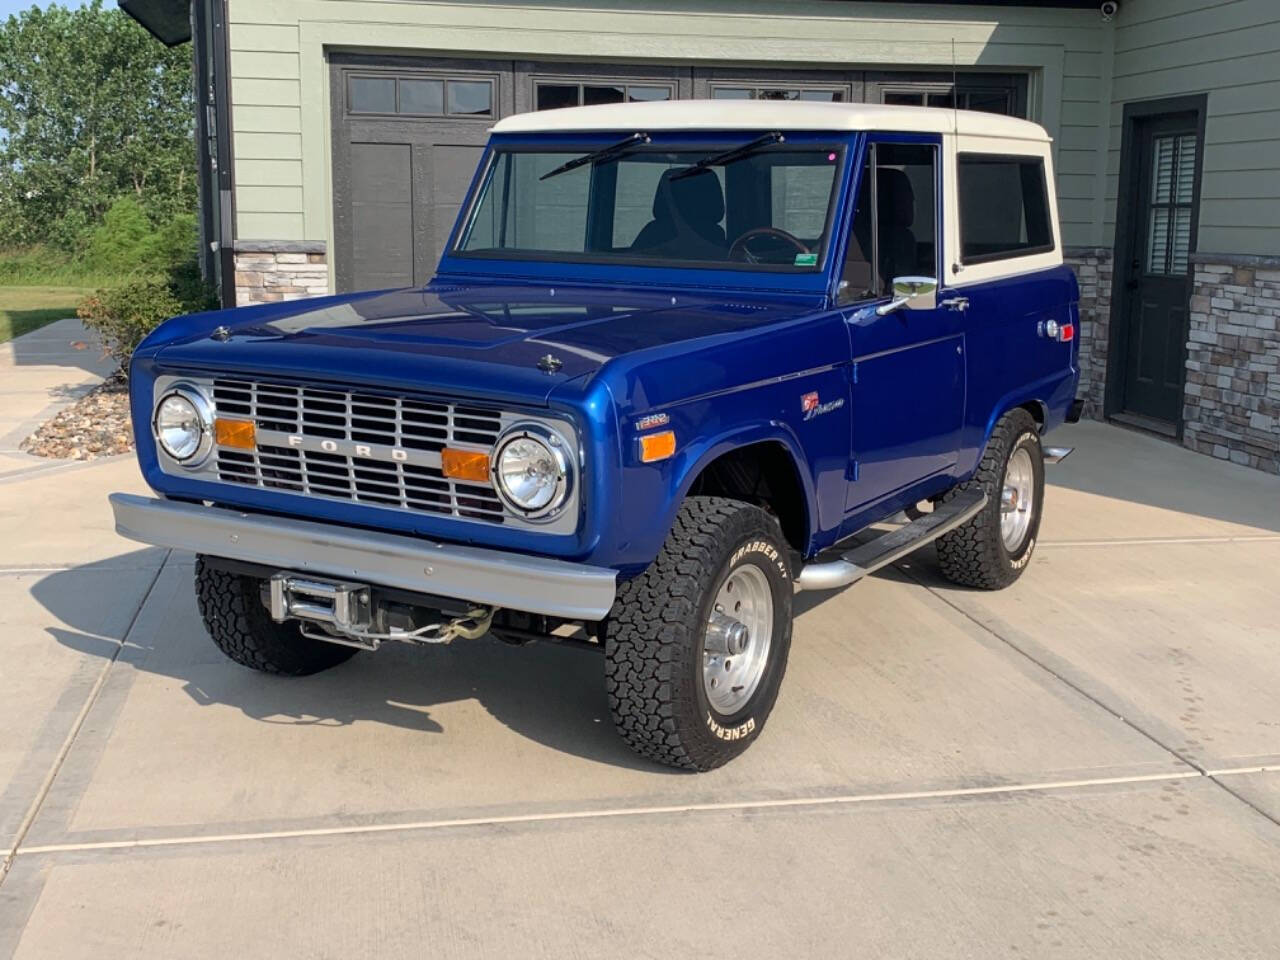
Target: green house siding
281	112
1231	51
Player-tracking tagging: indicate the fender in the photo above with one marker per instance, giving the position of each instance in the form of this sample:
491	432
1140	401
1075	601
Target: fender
705	451
1031	393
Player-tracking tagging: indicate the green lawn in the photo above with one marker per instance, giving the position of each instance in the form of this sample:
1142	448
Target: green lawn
23	309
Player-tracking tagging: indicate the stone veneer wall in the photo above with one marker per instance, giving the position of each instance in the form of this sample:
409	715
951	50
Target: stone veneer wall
1231	404
270	271
1093	272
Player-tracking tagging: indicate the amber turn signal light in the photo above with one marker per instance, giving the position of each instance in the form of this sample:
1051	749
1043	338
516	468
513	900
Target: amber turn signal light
657	446
464	465
235	433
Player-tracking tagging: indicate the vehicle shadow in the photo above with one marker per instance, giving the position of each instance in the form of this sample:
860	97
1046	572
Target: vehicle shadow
63	343
550	693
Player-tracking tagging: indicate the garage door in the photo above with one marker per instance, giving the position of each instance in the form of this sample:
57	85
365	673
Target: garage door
407	133
407	140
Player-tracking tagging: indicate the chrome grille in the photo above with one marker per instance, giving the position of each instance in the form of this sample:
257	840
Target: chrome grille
292	421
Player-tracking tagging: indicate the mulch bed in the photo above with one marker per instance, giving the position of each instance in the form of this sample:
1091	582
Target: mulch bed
96	425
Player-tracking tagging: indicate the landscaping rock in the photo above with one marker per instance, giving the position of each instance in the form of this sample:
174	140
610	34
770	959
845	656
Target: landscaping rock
96	425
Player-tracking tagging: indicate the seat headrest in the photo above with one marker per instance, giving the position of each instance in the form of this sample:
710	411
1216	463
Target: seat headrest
695	199
895	197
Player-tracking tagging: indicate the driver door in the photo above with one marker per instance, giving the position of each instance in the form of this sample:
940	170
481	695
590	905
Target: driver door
908	374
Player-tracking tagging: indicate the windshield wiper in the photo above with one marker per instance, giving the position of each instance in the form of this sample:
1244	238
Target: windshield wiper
728	156
604	153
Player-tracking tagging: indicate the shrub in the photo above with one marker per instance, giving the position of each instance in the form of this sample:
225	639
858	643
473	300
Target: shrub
191	289
118	242
172	244
126	242
124	315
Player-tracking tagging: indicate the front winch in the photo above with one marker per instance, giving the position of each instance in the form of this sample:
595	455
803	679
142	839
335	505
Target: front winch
349	614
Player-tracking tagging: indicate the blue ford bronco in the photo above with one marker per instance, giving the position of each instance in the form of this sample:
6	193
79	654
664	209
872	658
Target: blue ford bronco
676	361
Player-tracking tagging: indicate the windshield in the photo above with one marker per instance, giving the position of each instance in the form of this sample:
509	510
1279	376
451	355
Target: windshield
763	208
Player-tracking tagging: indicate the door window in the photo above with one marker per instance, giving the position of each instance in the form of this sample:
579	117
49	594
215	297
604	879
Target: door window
1173	170
895	224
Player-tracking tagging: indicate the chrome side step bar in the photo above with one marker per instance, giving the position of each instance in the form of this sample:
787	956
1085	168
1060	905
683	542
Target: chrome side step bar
893	546
1056	454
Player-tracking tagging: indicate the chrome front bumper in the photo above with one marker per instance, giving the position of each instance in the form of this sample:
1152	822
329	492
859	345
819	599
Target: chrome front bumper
557	588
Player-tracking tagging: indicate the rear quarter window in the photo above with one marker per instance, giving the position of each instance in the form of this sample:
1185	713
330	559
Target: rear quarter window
1004	208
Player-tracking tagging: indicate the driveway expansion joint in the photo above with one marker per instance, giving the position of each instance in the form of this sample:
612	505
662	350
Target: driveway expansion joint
42	793
1214	776
608	813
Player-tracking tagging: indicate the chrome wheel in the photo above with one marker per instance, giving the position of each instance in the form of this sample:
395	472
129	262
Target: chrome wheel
1017	500
738	634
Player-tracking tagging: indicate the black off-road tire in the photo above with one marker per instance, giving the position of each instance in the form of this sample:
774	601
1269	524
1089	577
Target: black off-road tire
974	555
655	632
233	613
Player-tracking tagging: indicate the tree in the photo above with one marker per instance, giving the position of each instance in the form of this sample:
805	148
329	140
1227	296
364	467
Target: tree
92	108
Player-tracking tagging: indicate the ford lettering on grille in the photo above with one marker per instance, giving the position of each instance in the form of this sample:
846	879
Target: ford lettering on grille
351	449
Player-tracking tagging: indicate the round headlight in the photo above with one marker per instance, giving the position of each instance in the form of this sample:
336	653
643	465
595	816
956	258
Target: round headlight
184	425
532	469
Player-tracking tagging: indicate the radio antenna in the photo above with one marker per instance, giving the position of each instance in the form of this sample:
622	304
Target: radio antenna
955	91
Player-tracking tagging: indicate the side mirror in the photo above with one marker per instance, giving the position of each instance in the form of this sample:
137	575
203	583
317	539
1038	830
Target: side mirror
914	293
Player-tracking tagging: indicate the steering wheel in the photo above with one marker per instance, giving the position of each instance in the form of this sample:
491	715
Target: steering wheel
740	249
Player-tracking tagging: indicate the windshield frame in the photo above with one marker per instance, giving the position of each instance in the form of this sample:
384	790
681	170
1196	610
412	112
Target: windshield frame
612	268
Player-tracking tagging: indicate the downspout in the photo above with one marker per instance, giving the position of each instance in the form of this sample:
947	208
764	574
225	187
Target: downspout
221	93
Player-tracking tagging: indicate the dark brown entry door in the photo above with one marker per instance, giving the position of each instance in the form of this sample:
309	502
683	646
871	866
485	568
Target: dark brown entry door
1157	273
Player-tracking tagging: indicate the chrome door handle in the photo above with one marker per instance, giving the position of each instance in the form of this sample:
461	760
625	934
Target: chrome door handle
956	303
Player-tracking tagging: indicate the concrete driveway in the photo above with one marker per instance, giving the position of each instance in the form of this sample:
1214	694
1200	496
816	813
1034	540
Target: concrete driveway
1084	765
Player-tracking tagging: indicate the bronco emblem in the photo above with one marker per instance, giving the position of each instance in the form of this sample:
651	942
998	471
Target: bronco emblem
811	407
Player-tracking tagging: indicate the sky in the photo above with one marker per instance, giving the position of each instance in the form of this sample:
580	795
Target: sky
17	6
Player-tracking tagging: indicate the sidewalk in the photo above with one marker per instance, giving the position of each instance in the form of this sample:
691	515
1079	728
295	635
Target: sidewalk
40	373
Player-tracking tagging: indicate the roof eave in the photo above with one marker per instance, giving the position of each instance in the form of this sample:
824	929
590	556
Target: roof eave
169	21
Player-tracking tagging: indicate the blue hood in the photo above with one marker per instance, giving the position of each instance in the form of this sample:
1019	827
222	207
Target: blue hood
468	340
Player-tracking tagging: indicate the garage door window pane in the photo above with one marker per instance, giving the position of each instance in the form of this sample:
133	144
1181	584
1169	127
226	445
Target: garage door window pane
901	99
470	98
422	97
822	96
592	95
648	93
990	101
731	93
372	94
553	96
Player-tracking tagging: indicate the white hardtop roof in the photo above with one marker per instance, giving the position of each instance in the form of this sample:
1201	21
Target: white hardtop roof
665	115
